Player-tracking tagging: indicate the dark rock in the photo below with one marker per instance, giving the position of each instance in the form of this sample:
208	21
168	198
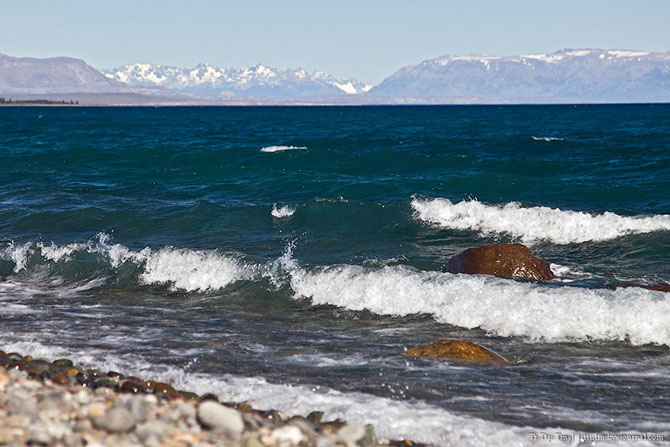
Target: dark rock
131	387
457	350
105	382
503	260
115	375
63	363
315	417
15	356
187	395
662	287
209	396
60	378
149	386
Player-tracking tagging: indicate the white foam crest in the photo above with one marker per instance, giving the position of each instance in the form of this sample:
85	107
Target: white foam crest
193	270
546	138
499	306
18	254
55	253
534	223
282	148
282	211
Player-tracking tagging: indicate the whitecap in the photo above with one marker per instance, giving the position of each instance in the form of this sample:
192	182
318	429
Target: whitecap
282	211
546	138
530	224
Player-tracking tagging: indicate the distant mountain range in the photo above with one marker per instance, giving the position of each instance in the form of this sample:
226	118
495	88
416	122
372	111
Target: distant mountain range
567	76
579	76
257	81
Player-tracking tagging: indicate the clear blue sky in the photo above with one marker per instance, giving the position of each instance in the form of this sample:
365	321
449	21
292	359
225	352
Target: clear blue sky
367	40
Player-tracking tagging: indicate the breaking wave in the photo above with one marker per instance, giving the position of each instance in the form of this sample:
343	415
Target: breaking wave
553	312
182	269
502	307
534	223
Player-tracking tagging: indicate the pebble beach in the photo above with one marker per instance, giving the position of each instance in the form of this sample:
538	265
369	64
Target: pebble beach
58	403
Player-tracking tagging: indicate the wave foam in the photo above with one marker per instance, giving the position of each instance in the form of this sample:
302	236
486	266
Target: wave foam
546	138
282	148
283	211
534	223
502	307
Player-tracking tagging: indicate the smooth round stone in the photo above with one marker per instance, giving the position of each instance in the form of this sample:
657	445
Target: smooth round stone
2	352
63	363
5	360
16	364
72	372
36	366
315	417
165	391
60	379
135	379
105	382
15	356
131	387
149	386
217	417
116	420
115	375
95	373
187	396
272	415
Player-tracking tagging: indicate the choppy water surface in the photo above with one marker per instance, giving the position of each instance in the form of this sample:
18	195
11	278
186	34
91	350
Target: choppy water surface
289	256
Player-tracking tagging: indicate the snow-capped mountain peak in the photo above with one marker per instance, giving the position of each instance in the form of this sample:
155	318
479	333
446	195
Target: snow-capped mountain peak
257	80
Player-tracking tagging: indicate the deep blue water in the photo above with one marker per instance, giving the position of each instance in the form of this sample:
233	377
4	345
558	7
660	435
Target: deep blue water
145	237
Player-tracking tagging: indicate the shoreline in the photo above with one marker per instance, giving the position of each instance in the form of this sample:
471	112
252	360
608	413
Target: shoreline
61	403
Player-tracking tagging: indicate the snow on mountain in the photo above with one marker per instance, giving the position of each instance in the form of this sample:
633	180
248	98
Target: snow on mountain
584	75
258	81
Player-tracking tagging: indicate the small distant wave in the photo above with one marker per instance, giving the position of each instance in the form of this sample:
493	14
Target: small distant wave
283	211
546	138
282	148
499	306
534	223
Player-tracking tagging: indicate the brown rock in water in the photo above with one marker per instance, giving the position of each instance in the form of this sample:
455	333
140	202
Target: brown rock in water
457	350
503	260
657	287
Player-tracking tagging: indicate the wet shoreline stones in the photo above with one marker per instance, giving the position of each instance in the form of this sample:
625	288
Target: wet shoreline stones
59	403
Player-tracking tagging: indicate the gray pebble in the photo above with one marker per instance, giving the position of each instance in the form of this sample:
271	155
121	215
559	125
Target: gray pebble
39	436
157	430
217	417
116	420
136	408
350	434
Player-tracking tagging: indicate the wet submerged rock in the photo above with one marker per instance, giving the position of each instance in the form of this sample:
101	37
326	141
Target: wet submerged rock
457	350
656	287
502	260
